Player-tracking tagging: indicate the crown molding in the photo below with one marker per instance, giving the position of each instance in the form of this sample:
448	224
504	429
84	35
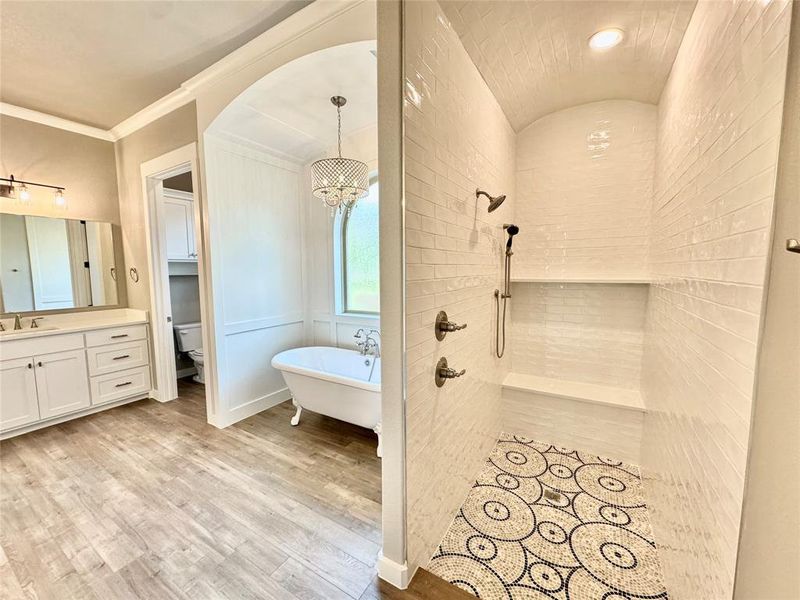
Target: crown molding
35	116
161	107
315	15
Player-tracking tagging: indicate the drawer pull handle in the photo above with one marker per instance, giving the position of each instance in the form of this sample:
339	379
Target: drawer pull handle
123	384
39	364
30	365
121	357
121	335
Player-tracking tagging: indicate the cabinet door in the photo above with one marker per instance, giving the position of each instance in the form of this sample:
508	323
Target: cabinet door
176	218
179	224
62	382
18	404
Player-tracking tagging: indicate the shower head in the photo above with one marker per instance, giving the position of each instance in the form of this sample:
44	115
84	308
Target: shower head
511	230
494	201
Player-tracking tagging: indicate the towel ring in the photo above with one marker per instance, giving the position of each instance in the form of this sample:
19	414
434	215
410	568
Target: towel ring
134	274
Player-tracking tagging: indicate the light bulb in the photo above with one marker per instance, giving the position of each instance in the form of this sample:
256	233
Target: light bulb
24	194
606	38
59	200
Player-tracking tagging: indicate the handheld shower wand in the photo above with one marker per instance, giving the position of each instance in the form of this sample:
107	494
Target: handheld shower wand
500	348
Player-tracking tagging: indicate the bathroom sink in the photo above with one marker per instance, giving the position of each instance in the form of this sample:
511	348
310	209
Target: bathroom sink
26	330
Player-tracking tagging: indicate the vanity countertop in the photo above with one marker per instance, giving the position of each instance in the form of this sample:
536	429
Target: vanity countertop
72	322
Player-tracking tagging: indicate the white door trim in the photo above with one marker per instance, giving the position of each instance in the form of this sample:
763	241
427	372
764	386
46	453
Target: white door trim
153	173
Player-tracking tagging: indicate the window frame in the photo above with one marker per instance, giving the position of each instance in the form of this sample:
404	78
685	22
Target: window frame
340	263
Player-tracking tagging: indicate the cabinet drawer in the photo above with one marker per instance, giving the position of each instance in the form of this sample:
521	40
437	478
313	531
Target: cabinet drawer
116	335
116	357
12	349
115	386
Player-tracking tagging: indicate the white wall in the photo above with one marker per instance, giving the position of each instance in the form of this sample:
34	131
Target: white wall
325	326
719	128
769	552
581	332
584	184
456	139
256	254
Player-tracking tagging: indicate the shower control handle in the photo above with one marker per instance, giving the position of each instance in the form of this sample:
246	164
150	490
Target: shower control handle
444	372
443	326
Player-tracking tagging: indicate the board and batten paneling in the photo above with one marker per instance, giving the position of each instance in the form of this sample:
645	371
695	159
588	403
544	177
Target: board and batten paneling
256	250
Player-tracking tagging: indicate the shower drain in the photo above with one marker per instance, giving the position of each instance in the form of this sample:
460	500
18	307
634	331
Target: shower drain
551	495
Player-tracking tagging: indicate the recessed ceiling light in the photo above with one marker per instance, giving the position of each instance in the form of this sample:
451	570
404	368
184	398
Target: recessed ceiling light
606	38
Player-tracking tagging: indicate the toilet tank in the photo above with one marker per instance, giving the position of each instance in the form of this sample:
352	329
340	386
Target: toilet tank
189	336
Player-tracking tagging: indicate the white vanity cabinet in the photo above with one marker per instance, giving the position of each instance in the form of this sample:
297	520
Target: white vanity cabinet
61	383
51	376
179	226
19	404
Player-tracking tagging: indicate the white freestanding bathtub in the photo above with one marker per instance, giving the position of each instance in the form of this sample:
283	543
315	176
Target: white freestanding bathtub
336	382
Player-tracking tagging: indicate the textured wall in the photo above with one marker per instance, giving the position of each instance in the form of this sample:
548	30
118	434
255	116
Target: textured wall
456	139
589	333
719	127
83	165
168	133
584	181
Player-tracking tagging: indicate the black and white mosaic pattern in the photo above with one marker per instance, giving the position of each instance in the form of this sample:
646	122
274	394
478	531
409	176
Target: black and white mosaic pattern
544	522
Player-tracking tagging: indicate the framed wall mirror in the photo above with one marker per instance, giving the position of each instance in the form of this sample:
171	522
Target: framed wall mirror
51	264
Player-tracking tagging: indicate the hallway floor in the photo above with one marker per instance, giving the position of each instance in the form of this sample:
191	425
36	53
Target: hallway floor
545	522
149	501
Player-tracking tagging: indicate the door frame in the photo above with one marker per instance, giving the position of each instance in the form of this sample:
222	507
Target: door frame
153	174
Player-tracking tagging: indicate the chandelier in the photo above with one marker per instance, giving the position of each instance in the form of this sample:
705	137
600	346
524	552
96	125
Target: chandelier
339	182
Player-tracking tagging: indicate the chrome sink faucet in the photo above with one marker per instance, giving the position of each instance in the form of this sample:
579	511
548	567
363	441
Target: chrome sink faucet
17	322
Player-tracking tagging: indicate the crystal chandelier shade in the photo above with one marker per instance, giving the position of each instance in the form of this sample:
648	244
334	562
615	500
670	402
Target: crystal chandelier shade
339	182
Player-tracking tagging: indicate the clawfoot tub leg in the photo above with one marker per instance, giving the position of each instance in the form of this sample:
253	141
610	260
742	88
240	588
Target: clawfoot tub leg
296	418
377	429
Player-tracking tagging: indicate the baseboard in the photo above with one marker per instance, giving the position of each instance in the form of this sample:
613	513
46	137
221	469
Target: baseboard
70	416
186	372
251	408
392	572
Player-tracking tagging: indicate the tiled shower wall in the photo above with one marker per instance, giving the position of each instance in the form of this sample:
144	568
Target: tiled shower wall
719	127
456	139
581	332
584	186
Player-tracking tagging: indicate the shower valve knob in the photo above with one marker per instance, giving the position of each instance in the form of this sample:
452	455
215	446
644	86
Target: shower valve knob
443	372
444	326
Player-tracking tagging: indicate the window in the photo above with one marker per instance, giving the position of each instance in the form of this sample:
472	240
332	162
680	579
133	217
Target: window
359	278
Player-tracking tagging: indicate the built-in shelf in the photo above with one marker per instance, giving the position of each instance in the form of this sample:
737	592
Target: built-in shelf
587	279
574	390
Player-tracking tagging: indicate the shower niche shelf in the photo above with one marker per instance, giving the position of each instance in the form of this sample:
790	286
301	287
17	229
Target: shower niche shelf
585	279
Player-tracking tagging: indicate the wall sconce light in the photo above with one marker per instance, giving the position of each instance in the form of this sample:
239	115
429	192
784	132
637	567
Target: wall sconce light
9	185
59	199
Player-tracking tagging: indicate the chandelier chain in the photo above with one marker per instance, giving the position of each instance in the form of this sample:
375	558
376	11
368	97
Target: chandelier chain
339	128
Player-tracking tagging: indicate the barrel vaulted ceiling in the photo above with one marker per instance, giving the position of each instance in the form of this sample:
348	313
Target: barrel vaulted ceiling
535	57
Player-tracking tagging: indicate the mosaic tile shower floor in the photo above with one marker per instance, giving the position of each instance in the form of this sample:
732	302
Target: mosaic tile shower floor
514	539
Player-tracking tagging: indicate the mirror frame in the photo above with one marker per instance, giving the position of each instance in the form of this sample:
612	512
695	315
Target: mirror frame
119	260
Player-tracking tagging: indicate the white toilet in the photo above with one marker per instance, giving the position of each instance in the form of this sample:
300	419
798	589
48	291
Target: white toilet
190	339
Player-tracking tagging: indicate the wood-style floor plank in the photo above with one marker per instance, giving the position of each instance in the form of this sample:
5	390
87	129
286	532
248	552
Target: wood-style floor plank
149	501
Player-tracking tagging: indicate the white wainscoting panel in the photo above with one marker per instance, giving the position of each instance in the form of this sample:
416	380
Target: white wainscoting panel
256	247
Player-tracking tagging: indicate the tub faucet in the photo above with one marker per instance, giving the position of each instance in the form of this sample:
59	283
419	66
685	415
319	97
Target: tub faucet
369	345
